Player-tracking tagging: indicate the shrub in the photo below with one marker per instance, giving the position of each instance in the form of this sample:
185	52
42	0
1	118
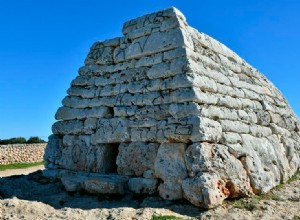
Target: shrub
22	140
17	140
34	140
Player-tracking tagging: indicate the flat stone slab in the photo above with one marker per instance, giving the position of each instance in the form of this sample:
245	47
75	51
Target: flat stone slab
91	182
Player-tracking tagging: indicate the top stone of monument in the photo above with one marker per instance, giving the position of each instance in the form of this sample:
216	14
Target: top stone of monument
169	17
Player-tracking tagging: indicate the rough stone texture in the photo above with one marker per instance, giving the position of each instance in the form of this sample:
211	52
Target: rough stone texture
168	104
21	153
38	196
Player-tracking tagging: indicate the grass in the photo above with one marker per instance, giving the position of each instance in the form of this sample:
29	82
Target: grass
166	217
294	177
20	165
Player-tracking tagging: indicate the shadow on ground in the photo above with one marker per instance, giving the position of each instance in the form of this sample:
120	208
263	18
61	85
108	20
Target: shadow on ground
36	187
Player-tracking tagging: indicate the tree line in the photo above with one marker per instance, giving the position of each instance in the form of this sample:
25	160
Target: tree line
22	140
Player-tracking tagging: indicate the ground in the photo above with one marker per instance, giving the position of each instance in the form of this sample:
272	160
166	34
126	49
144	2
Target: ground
33	196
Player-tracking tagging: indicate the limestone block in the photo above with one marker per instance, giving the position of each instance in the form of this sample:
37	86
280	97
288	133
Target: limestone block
110	90
142	186
164	70
209	130
90	124
203	82
170	190
260	131
99	54
262	162
125	111
149	61
113	130
75	102
122	77
151	44
66	113
153	18
207	190
83	81
235	126
53	149
230	138
277	119
68	127
263	118
82	92
135	158
73	183
215	113
106	184
184	110
170	167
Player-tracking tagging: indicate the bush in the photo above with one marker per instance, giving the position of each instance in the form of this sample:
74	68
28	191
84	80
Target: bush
35	140
17	140
22	140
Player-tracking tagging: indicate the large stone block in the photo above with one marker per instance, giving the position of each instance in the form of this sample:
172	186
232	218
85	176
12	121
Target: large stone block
136	158
170	167
113	130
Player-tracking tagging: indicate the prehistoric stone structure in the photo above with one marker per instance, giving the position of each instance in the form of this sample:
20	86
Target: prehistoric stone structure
168	109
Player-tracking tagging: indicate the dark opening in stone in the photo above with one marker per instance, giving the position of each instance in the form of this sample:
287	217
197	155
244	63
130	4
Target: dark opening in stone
111	159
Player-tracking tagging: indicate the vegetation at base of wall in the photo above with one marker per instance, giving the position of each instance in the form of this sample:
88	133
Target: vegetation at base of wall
22	140
251	203
20	165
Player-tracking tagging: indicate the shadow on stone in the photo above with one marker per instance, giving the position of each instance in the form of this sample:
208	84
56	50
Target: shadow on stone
36	187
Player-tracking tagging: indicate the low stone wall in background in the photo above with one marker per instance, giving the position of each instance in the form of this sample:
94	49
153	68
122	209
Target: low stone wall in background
21	153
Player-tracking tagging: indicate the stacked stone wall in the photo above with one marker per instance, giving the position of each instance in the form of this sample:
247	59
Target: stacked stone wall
177	112
21	153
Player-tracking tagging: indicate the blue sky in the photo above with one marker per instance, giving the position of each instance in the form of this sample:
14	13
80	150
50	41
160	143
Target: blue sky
44	42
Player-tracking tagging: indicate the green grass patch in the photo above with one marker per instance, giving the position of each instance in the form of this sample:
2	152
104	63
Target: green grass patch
166	217
294	177
20	165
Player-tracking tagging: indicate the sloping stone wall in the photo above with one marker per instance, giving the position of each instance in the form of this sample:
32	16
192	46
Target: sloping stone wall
21	153
173	111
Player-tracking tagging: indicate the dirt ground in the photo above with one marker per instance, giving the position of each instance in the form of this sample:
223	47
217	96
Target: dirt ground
24	171
34	196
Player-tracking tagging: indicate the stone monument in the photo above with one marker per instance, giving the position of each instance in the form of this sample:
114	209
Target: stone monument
167	109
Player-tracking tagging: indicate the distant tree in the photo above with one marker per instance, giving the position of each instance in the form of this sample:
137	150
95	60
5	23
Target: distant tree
22	140
34	140
16	140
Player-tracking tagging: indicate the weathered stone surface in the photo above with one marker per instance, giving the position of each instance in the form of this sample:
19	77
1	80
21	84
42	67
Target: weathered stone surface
136	158
65	113
179	113
142	186
111	131
204	158
170	167
207	190
22	153
110	184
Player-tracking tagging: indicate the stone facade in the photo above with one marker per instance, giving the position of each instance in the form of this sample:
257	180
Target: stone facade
168	109
21	153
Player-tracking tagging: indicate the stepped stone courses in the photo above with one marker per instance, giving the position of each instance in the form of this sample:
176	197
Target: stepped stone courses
168	109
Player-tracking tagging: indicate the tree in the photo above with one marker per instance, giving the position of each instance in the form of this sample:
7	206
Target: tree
34	140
